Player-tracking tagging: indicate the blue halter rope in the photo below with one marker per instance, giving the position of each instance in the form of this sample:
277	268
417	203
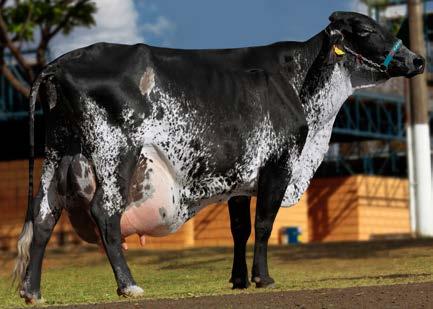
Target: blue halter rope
392	53
381	67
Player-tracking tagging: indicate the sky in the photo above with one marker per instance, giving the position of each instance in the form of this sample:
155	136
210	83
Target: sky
204	23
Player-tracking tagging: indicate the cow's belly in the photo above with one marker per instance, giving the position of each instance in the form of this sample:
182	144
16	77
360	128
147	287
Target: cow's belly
155	207
153	198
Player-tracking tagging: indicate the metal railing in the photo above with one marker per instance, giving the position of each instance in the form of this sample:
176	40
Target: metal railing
13	105
372	116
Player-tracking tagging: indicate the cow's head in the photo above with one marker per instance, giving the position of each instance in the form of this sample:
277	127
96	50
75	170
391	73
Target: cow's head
371	53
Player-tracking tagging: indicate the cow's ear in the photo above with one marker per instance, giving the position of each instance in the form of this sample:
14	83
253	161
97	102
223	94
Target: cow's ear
336	50
331	58
335	36
334	17
341	21
341	17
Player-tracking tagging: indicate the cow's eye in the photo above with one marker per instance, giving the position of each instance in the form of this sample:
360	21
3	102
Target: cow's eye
365	32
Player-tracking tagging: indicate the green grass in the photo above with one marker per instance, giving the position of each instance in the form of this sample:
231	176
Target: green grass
83	275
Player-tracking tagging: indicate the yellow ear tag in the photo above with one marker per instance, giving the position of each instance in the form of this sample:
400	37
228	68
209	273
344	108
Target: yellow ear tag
338	51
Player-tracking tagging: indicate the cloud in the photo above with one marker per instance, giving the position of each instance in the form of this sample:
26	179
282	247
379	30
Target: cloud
161	30
116	22
161	26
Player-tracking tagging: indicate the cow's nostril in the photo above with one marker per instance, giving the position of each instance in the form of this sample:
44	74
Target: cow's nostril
419	62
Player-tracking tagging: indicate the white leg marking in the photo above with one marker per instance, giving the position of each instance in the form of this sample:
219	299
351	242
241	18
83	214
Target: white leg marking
132	291
48	170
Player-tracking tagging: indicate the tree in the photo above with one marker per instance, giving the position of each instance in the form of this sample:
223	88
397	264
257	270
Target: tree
36	22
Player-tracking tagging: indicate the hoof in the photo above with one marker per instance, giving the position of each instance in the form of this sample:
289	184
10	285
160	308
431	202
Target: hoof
267	282
31	299
131	291
35	301
240	283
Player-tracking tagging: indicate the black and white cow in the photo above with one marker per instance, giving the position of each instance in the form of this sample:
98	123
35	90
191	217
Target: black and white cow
140	138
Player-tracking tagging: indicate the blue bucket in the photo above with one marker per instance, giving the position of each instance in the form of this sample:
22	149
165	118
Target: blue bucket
291	235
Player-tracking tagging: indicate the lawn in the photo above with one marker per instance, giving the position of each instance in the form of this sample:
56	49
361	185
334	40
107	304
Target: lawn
83	275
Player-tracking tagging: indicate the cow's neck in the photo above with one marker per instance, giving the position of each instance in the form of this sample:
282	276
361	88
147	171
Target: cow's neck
325	87
303	57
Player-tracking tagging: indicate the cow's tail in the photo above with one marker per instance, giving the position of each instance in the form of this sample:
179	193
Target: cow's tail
26	236
23	257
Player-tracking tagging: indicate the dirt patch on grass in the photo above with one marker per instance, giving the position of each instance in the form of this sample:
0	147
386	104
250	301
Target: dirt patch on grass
418	295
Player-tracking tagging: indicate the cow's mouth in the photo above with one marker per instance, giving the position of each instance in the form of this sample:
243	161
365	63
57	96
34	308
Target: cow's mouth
419	67
416	66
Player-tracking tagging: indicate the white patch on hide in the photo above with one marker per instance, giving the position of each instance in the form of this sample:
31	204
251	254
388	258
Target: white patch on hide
329	99
52	94
84	181
48	171
175	127
107	142
306	165
328	102
172	133
296	78
261	143
147	81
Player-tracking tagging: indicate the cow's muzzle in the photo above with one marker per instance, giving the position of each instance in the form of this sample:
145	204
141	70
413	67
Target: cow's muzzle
406	63
417	67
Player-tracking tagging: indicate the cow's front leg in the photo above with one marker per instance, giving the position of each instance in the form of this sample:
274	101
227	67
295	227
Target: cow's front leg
240	224
107	205
273	180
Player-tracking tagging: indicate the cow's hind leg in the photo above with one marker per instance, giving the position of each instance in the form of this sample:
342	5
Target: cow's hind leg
81	186
109	200
41	219
240	224
273	180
